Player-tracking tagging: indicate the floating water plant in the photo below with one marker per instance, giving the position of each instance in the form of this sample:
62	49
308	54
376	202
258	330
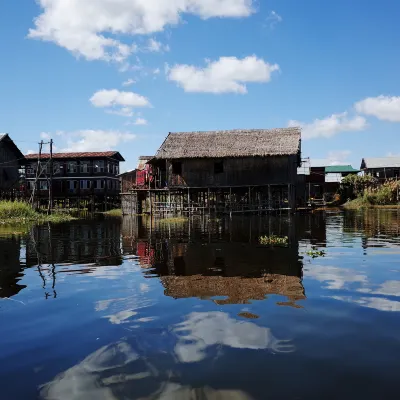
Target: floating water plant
273	240
316	253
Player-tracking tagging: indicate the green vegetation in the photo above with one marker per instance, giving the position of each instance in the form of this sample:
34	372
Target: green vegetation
314	253
353	186
273	240
117	212
366	191
19	212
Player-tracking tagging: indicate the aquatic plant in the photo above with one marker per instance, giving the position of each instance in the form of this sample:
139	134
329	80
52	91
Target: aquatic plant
314	253
273	240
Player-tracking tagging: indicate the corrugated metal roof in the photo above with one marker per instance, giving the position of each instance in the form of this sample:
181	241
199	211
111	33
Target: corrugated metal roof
334	169
381	162
92	154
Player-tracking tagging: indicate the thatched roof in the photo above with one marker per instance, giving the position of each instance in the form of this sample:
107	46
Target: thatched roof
234	143
238	290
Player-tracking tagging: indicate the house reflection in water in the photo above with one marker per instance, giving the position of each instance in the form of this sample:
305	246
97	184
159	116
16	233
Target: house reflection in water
80	247
219	258
11	270
90	242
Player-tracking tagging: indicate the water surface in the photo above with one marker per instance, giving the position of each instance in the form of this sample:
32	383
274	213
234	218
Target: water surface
142	309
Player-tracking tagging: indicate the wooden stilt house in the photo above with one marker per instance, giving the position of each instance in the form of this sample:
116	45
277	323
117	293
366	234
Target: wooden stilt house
224	171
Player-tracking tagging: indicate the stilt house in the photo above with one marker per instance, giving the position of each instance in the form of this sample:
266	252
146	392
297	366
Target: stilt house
227	171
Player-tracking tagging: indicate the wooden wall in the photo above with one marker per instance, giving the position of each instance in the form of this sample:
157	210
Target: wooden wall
245	171
9	166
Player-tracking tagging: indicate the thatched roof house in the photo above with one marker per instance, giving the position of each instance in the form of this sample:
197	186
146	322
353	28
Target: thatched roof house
234	158
232	143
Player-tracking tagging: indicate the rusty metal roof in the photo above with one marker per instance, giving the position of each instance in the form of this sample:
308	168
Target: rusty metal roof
91	154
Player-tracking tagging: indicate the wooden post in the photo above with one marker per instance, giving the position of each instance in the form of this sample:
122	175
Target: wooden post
189	209
151	203
50	205
269	197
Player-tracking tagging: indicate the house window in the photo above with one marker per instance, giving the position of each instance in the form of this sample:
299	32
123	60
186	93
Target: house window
73	185
177	168
72	167
84	167
85	185
100	184
43	185
99	166
56	168
31	185
116	169
218	167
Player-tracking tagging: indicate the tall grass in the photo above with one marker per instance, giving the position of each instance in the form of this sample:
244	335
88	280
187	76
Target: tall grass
19	212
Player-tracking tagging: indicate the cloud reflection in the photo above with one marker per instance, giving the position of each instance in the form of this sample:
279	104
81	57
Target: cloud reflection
202	330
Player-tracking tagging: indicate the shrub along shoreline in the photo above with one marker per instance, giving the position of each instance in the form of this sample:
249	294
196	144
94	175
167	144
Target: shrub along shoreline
20	212
367	192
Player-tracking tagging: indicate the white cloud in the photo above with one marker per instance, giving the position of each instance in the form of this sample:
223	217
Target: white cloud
45	136
228	74
140	121
128	82
122	112
94	140
114	97
330	126
337	157
89	28
273	19
156	71
383	107
31	152
119	103
156	47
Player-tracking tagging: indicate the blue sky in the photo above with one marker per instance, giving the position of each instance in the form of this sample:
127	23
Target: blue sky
331	67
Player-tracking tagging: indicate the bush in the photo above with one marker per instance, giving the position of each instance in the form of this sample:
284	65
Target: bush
353	186
385	194
16	209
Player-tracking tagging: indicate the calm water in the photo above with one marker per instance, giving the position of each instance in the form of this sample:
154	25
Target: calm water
111	309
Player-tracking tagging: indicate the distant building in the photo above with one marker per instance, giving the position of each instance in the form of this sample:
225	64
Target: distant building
138	177
321	182
11	160
382	168
75	175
